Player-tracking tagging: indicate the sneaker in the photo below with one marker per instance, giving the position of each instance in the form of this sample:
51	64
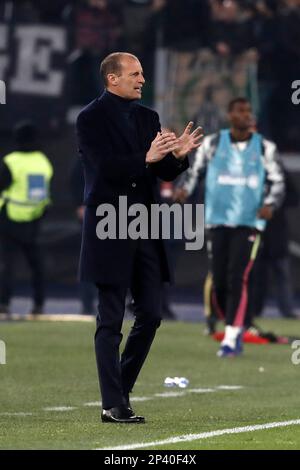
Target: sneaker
239	343
227	351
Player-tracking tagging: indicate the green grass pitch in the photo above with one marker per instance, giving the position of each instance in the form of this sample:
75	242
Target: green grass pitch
52	365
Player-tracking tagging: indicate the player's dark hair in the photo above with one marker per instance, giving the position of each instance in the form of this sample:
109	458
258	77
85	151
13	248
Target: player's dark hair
238	100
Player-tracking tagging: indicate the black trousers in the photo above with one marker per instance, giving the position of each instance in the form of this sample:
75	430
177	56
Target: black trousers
232	252
16	238
118	376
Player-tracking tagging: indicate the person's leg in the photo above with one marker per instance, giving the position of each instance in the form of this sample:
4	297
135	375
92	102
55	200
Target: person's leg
146	291
34	257
243	251
259	284
217	247
244	244
210	314
8	252
284	292
258	288
87	297
167	312
107	341
174	247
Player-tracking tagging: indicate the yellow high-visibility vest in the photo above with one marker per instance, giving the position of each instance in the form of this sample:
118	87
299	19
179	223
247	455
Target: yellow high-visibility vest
28	195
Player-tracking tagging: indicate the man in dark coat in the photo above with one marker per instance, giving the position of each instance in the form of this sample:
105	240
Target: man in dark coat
123	152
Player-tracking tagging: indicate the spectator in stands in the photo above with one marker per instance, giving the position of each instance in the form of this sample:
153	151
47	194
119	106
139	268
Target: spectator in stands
97	26
139	2
97	32
136	15
232	31
184	25
24	11
266	44
288	70
53	11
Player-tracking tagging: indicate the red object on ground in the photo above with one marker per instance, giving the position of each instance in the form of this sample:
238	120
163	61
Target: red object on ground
247	338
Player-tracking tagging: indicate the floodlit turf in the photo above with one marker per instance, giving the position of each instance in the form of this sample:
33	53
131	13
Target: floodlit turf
53	365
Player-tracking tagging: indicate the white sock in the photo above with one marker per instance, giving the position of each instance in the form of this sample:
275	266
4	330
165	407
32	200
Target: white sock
231	334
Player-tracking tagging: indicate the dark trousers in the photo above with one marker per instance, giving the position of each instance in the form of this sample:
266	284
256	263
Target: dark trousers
280	268
88	293
232	252
117	377
11	248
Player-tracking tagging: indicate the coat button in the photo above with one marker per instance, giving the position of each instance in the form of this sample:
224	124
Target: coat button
133	185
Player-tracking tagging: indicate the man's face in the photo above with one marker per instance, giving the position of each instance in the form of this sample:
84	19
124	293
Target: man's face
240	117
129	84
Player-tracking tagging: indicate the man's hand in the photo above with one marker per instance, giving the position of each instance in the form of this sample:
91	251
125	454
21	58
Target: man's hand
163	144
188	141
265	212
180	195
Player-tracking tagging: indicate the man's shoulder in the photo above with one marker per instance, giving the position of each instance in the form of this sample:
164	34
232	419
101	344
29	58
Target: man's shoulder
89	110
9	156
145	110
267	142
211	140
269	147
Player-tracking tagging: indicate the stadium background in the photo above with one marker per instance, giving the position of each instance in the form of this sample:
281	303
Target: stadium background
196	56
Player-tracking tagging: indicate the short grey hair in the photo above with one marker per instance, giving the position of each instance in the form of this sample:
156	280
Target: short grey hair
112	64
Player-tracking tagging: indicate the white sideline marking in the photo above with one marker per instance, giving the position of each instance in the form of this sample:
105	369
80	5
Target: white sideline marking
133	399
174	394
93	403
140	399
169	394
59	408
53	317
229	387
204	435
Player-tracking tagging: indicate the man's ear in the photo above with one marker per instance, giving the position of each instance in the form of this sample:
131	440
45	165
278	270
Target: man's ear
112	79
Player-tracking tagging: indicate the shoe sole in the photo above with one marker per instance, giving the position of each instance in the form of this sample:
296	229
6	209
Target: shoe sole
228	355
122	421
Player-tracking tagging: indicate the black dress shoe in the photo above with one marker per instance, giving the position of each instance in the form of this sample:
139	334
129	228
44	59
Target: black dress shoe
120	414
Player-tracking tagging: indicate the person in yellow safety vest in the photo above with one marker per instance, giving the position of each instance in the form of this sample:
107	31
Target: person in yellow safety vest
25	176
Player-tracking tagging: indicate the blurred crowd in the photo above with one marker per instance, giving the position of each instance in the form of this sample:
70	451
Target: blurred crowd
227	26
268	31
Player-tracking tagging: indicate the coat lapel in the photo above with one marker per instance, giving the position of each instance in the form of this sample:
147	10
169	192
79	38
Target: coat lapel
141	127
114	118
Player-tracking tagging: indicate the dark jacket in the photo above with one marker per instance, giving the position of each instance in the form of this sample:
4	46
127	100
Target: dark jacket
114	165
